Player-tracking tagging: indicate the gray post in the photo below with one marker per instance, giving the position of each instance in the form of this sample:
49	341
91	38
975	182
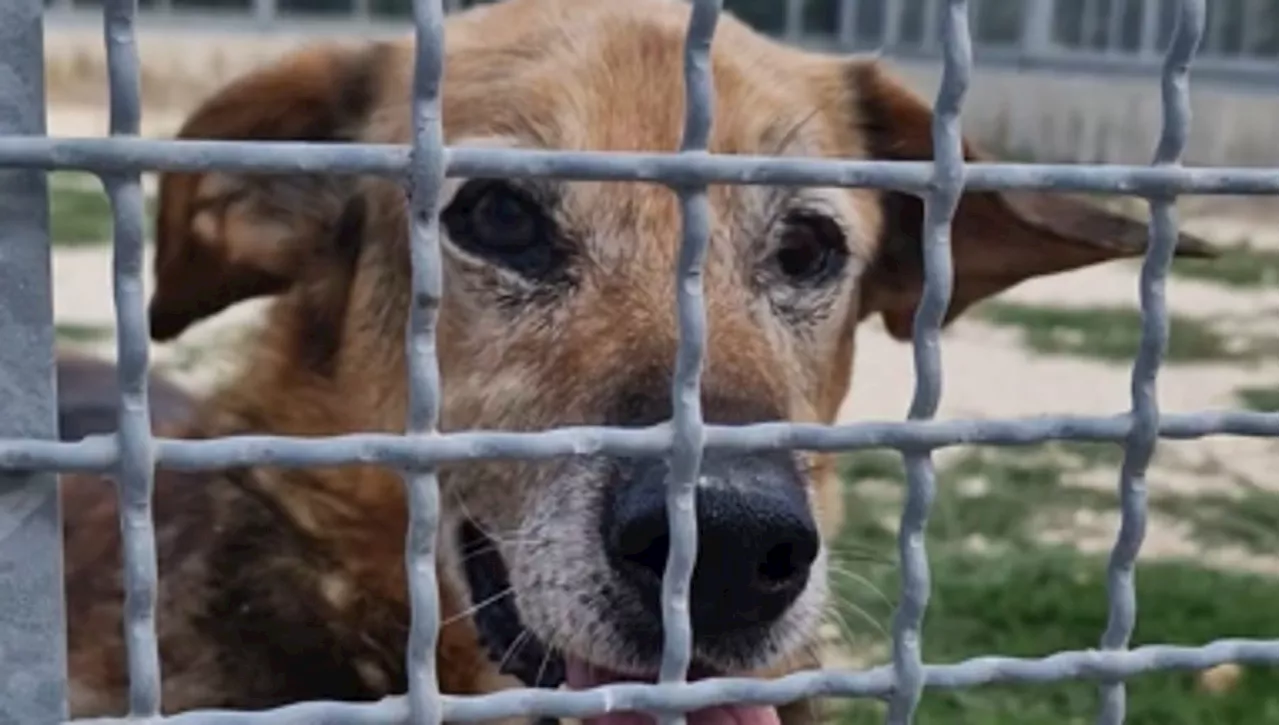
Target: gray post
847	31
1115	28
929	25
794	26
264	11
1091	23
1150	28
32	640
891	33
1037	28
1215	42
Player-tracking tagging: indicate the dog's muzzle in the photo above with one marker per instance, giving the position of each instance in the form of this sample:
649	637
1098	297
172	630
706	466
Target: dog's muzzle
514	648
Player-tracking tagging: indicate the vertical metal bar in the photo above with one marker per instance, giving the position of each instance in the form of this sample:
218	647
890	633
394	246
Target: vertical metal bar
136	464
794	21
940	207
1251	24
1217	30
33	687
1088	22
1115	25
1037	28
264	11
1150	28
1145	415
686	386
891	33
426	177
847	31
929	22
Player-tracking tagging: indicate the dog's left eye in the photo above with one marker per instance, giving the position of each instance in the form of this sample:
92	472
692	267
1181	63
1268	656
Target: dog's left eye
811	248
504	225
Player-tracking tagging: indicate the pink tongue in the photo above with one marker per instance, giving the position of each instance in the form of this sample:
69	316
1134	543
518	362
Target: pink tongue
582	676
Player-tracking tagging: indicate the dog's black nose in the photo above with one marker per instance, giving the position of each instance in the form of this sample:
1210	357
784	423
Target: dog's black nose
756	539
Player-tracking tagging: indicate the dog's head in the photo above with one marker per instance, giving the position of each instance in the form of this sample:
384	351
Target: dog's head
559	305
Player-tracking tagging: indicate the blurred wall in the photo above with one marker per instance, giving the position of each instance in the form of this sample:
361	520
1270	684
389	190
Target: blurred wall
1046	115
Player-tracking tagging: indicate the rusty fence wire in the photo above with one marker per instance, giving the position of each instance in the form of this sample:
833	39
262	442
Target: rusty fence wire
32	641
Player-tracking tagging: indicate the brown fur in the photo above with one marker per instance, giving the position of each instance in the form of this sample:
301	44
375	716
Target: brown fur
278	586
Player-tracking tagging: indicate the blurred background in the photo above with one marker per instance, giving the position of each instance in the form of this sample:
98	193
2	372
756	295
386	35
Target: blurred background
1018	537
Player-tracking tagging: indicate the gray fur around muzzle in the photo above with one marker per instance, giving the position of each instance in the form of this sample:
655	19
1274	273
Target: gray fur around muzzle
757	541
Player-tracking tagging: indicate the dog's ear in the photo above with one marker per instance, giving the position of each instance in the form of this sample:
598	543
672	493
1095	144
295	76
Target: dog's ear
226	237
998	239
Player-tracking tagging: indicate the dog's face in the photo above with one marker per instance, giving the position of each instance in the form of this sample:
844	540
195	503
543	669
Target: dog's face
559	305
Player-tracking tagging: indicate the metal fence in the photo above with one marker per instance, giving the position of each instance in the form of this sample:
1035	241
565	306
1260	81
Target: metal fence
32	648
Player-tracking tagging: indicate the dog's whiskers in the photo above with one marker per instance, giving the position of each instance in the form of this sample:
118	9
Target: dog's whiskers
861	581
542	667
511	537
854	552
516	645
478	606
833	609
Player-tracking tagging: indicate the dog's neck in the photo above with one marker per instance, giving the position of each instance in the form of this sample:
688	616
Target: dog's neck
356	514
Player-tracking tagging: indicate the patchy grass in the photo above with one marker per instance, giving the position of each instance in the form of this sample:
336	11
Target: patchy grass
1240	265
78	333
1112	334
995	496
1014	596
1033	602
79	212
1263	399
1249	520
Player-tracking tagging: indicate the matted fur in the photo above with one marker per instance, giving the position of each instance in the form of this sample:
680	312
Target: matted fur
278	586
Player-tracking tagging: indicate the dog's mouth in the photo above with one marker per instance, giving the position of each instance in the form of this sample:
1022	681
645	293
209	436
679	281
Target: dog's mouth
519	653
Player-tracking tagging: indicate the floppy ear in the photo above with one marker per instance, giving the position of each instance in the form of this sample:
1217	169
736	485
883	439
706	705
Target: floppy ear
222	238
998	239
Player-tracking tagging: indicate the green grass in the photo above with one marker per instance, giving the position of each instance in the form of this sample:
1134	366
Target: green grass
73	332
1036	601
79	213
1238	266
1263	399
1019	597
1004	495
1112	334
1249	520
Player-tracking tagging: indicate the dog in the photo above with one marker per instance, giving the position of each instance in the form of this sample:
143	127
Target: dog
558	309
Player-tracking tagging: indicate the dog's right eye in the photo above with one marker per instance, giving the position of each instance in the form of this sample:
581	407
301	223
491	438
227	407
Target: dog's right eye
504	225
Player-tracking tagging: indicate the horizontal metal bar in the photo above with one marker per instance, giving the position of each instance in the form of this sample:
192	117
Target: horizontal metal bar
686	697
98	453
121	155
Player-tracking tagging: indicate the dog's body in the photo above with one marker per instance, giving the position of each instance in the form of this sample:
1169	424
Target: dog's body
278	586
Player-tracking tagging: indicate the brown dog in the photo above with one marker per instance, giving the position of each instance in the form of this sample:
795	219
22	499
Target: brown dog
278	586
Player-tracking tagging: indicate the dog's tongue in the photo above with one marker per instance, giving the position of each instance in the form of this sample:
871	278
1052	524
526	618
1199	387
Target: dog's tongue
582	676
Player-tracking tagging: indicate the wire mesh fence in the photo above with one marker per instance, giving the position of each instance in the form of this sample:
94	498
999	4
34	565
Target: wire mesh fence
32	658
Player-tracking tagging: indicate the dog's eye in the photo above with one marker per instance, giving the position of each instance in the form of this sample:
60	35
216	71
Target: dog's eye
502	224
811	248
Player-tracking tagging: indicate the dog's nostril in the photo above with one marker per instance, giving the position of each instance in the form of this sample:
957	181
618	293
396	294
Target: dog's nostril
645	552
784	563
777	567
